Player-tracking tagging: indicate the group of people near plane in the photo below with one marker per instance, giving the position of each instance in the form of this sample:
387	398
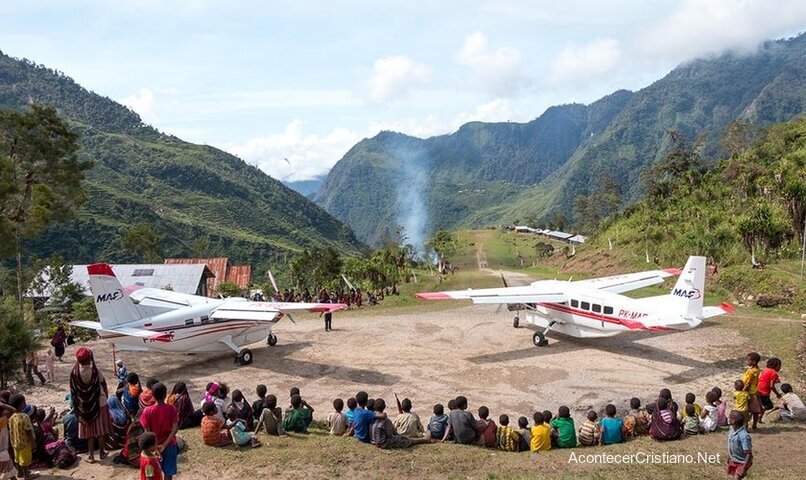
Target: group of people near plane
143	420
352	297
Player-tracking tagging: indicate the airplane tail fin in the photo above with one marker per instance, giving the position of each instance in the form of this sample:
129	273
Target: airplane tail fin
690	288
111	300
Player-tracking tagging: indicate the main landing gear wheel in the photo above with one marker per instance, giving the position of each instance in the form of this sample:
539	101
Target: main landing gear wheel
245	356
271	340
539	339
516	322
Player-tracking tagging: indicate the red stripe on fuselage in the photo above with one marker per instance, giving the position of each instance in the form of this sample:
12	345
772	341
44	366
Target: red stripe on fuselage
631	324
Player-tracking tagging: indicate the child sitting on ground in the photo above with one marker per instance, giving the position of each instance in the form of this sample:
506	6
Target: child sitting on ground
721	408
272	418
485	428
408	423
547	416
299	416
526	435
259	404
121	372
131	393
237	429
708	417
691	422
212	427
691	400
792	408
541	434
438	423
337	422
243	409
589	431
740	447
506	438
564	426
741	399
612	429
637	420
352	404
150	467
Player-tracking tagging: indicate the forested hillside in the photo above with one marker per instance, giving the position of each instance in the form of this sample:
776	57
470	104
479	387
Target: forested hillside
200	200
488	174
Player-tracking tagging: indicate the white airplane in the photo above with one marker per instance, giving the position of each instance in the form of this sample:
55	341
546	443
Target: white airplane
142	319
595	307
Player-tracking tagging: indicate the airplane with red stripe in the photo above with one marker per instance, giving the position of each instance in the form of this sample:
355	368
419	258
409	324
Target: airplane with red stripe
596	307
142	319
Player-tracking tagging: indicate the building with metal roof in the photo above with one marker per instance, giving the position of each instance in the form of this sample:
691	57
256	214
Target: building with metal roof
241	275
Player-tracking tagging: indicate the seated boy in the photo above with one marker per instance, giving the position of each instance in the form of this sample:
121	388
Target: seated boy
541	434
237	429
564	425
299	416
547	417
486	427
438	423
691	400
637	420
691	421
337	422
259	404
272	418
383	434
212	428
526	435
408	423
611	428
792	408
506	438
589	431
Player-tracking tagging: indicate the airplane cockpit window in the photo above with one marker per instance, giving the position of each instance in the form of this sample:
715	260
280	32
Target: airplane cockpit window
575	303
586	306
597	308
608	310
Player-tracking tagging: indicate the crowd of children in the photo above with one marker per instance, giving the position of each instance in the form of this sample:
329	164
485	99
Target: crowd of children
145	422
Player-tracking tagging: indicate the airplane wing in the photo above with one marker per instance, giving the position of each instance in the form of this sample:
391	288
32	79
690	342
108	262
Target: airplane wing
267	311
129	331
535	293
165	299
629	281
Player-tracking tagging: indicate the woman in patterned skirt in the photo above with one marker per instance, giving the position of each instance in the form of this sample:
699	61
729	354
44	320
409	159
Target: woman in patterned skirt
89	394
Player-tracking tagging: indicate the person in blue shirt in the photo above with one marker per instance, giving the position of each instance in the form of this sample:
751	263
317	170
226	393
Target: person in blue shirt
351	406
612	428
362	419
740	446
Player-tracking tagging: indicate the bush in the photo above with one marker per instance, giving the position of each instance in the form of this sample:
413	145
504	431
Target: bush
15	339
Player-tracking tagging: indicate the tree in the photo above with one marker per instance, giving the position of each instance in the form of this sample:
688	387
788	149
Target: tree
41	177
143	242
444	244
229	289
53	278
15	339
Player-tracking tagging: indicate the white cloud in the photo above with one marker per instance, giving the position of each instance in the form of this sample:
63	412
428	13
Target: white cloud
393	77
143	104
496	70
699	28
308	155
579	64
497	110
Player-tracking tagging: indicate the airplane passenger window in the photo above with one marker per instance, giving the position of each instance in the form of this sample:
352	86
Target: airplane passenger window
597	308
608	310
575	303
205	319
189	321
586	306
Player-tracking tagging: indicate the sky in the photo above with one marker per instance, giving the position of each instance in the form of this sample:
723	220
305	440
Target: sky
291	86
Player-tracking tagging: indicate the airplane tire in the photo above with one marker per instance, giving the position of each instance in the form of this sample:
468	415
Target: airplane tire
271	340
539	339
516	322
245	356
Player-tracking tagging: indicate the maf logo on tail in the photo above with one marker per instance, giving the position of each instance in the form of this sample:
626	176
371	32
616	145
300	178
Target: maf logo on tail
109	297
693	294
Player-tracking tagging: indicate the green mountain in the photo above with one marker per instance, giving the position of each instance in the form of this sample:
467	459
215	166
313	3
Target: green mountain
493	173
200	200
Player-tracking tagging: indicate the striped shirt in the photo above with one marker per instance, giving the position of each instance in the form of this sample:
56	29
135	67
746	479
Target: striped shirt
588	433
506	439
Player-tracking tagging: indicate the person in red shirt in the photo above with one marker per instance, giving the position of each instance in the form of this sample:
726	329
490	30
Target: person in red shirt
150	468
766	384
486	428
162	419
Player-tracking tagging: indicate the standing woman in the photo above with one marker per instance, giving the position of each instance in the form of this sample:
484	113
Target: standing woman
89	393
58	341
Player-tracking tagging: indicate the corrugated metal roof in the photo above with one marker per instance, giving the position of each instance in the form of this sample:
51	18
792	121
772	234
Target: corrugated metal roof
179	278
241	275
217	265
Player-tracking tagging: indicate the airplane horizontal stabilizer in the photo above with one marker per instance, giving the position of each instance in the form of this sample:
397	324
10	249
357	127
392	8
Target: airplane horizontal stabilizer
723	309
128	331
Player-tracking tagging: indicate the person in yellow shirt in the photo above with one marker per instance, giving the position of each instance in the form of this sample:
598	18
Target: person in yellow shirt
541	434
741	399
21	434
691	400
750	379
